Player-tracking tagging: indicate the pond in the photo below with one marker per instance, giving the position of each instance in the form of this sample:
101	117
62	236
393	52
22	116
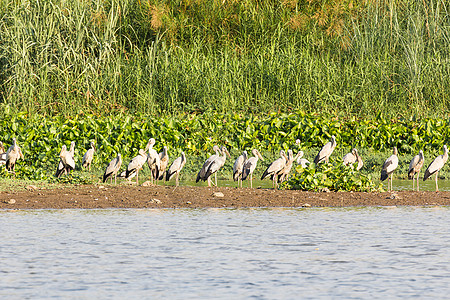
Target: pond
383	252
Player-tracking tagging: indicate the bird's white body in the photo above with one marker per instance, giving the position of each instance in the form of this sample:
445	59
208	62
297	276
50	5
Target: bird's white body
176	167
303	162
135	165
61	165
389	167
66	161
201	174
250	166
88	157
112	168
216	164
275	167
2	159
350	158
163	162
237	167
415	166
436	166
12	155
326	151
153	160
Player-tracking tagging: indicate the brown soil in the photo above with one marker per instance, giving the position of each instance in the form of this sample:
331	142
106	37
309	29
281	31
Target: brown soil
123	196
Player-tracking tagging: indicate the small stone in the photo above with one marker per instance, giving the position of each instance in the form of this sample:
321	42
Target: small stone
189	202
325	190
147	183
154	200
11	201
31	187
101	187
394	196
218	194
306	205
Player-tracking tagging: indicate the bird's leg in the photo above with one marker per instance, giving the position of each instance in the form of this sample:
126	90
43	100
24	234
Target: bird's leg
413	181
215	178
115	179
437	189
251	180
209	181
137	176
110	180
176	180
417	179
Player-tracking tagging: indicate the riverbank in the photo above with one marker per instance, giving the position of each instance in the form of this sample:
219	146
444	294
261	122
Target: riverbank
123	196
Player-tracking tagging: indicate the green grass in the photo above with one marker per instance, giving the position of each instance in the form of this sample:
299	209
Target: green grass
170	57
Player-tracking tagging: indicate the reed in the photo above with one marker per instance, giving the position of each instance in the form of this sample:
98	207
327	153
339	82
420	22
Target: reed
169	57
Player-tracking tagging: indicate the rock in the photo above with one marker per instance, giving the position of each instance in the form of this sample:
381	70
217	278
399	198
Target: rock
189	202
325	190
147	183
394	196
10	201
306	205
218	194
154	200
31	187
101	186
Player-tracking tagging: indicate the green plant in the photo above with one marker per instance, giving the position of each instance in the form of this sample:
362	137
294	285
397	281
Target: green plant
332	177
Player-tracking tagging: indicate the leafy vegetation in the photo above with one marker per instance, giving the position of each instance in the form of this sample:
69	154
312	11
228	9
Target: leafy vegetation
41	138
330	177
173	57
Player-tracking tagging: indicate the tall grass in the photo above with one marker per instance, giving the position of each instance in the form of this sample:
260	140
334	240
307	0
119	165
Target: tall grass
154	57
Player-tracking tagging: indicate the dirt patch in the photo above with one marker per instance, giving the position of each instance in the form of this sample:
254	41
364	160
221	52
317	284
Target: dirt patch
92	196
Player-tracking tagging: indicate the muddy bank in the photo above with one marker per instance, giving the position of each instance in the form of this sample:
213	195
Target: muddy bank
123	196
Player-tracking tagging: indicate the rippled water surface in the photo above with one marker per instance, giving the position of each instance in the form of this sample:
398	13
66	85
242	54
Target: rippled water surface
226	253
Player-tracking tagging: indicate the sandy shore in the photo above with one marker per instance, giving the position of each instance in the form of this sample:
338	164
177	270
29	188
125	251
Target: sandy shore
92	196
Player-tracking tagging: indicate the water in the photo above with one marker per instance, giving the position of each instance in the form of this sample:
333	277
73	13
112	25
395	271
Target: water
226	253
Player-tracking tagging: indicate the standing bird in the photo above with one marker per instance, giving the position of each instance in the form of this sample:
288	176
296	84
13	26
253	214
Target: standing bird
112	169
12	155
2	154
389	167
250	166
66	160
175	168
414	167
350	158
237	167
436	166
163	162
202	172
275	167
284	174
303	162
153	160
325	152
71	152
215	165
135	165
88	157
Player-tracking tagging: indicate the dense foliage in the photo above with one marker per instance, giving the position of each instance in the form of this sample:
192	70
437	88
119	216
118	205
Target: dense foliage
41	137
357	57
330	177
